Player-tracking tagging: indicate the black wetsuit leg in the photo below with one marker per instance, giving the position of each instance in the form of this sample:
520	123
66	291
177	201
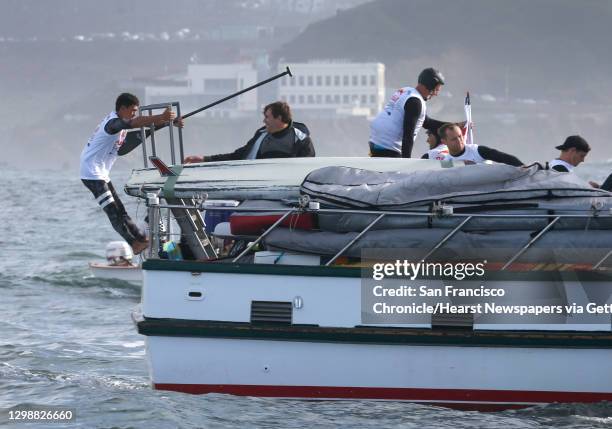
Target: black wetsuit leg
109	201
607	185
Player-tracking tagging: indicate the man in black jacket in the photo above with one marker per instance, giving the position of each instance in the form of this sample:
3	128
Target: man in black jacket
279	138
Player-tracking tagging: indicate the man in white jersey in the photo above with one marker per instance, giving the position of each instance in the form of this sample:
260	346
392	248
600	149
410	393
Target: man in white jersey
393	131
452	136
437	150
573	152
99	155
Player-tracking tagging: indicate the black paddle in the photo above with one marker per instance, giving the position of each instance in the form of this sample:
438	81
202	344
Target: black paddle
134	138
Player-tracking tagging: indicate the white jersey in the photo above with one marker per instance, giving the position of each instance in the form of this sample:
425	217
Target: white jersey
439	152
100	153
470	155
562	163
387	129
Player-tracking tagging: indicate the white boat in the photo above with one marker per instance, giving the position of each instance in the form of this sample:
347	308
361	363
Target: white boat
128	273
119	264
308	329
255	179
297	332
293	312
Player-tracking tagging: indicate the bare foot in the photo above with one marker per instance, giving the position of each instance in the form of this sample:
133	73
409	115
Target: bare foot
139	246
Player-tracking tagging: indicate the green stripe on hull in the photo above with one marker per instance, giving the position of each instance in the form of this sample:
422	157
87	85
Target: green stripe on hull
374	335
355	272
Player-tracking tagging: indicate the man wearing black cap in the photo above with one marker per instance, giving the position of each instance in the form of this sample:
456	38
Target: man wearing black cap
573	151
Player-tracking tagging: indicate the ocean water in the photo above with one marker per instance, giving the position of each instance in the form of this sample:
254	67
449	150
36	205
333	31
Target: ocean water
67	339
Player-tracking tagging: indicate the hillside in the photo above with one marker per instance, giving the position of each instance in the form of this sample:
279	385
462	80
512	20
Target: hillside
538	70
551	49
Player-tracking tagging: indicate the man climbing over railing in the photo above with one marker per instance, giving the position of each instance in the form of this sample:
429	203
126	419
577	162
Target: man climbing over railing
280	137
99	155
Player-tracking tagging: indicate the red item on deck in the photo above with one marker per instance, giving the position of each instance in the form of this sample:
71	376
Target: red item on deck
255	223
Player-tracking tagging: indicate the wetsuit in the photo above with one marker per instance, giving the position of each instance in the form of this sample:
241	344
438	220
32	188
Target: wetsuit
395	128
97	159
560	166
475	154
565	167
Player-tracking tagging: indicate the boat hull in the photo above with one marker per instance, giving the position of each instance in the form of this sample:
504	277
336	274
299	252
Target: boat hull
202	337
480	378
128	273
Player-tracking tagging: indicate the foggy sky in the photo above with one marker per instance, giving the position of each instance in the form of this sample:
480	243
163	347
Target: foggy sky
60	74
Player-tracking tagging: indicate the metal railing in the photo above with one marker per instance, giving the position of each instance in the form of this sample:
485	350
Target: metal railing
437	212
150	132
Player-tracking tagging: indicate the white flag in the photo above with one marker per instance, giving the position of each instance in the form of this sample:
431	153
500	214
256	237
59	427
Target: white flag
469	136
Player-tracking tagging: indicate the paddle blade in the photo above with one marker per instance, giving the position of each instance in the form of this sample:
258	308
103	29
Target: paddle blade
161	166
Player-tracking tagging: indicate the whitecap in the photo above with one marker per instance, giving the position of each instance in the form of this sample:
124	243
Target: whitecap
133	344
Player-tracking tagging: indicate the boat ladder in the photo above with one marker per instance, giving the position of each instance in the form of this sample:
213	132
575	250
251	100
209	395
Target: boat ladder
184	211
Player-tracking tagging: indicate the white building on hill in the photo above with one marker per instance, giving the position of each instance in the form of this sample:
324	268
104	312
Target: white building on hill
334	88
319	89
206	83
